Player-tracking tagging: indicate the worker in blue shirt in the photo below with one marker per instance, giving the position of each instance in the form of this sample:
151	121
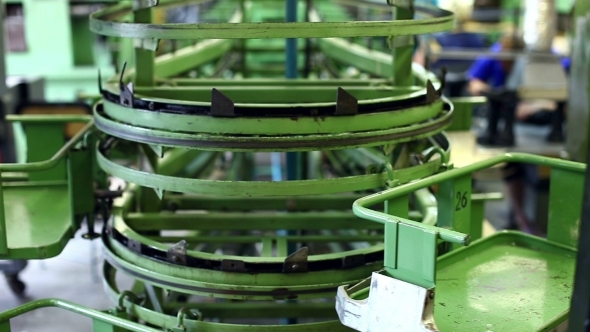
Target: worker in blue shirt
495	79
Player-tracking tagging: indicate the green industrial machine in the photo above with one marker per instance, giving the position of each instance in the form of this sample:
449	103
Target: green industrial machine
75	53
367	225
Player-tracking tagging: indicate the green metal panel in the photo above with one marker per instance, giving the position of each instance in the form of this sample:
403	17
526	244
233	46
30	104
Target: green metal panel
416	252
402	55
43	141
454	199
3	224
82	42
38	219
5	326
565	204
507	282
81	185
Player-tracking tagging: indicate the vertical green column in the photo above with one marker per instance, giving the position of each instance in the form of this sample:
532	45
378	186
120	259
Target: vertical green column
3	230
403	48
43	141
565	203
398	207
5	326
454	205
144	59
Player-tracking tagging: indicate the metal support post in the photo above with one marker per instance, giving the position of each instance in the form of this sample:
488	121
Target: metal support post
3	230
144	58
454	201
403	46
5	326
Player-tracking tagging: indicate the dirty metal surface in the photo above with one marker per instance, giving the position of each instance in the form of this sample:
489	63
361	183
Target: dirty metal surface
509	282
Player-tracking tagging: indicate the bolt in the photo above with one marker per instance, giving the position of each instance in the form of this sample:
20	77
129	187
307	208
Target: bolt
175	258
294	267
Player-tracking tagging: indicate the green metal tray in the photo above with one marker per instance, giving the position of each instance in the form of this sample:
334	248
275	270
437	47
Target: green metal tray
36	229
507	282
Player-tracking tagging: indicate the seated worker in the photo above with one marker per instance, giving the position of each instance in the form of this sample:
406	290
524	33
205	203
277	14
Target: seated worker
495	79
488	75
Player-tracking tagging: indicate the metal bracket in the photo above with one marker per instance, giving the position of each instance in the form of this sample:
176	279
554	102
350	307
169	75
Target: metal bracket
126	91
221	105
393	305
143	4
150	44
134	246
177	253
297	261
346	104
431	94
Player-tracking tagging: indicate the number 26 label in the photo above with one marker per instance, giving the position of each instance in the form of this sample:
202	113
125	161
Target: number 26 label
461	200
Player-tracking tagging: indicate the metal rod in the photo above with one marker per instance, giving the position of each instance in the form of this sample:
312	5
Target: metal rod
360	207
46	164
66	305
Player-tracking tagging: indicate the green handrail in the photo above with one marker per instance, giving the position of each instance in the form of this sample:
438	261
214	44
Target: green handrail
78	309
424	236
61	153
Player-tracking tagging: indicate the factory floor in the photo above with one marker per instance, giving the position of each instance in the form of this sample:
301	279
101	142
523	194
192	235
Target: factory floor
74	275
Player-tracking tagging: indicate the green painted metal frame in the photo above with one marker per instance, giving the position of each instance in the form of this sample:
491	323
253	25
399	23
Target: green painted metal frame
411	253
77	165
267	188
104	23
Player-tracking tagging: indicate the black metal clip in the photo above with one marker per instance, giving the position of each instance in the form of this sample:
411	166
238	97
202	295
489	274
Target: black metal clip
431	94
353	261
177	253
297	261
346	104
126	92
221	105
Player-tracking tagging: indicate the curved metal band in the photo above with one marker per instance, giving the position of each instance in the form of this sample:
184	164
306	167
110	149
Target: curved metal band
231	285
102	23
315	263
264	188
270	143
268	126
170	322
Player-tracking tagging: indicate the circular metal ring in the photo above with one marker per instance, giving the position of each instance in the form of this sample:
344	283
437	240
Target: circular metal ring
103	23
271	143
271	286
263	188
170	322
